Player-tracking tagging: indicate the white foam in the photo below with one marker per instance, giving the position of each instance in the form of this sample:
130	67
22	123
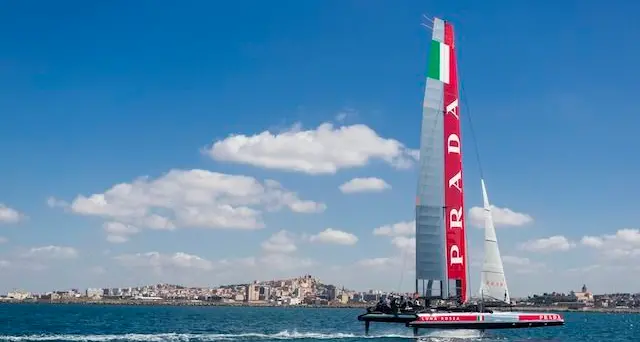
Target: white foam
176	337
448	335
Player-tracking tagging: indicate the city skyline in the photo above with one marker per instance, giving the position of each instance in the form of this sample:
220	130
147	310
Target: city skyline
191	147
312	285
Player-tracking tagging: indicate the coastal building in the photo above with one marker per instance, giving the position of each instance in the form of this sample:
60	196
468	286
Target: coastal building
343	298
18	295
94	293
252	293
331	293
264	293
585	296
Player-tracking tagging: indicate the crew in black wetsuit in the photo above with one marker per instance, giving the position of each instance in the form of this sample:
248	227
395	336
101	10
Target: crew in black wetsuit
379	306
394	306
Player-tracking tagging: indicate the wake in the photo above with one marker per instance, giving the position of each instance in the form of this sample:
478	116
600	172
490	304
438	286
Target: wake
186	337
175	337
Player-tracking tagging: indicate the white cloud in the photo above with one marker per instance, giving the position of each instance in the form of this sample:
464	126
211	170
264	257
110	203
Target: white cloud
118	232
51	252
53	202
404	228
501	217
522	265
405	244
5	264
592	241
403	239
10	215
553	243
369	184
280	242
325	149
375	262
343	115
624	243
193	198
222	271
334	236
159	261
514	260
3	239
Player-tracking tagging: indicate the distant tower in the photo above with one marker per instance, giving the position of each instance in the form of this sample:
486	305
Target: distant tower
584	288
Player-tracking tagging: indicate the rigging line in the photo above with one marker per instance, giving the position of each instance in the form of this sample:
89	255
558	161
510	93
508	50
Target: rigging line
465	101
477	150
402	270
473	132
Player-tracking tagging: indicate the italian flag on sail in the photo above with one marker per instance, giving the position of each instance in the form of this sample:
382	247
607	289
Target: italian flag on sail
480	318
439	59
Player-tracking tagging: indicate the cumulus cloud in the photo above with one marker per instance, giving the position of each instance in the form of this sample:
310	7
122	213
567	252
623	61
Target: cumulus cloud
10	215
376	262
405	245
334	236
323	150
221	271
550	244
514	260
403	239
280	242
51	252
159	261
192	198
118	232
592	241
522	265
624	243
502	217
53	202
404	228
369	184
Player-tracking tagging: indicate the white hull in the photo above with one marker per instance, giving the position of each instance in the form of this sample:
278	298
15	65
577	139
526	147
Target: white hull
482	321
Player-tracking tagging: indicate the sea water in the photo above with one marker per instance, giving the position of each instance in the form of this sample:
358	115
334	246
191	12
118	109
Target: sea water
96	323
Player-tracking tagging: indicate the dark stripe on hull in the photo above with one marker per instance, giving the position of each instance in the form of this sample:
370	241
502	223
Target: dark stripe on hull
387	318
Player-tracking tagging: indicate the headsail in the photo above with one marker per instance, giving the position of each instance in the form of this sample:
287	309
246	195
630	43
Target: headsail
493	281
440	236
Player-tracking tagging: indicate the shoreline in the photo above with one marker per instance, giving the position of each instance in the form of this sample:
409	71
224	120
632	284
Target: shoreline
180	303
309	306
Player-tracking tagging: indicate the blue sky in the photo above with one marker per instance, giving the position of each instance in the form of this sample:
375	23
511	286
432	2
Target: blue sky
97	94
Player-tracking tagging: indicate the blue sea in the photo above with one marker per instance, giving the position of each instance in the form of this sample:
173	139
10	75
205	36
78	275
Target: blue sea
45	322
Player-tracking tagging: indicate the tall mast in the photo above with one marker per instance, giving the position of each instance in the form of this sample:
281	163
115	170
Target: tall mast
454	190
440	236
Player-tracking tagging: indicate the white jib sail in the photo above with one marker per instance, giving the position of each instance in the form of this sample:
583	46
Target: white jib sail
494	284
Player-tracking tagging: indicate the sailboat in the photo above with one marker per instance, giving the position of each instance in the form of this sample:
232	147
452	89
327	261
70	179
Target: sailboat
441	283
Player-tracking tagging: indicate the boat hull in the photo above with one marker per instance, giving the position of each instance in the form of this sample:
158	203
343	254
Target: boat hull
485	321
